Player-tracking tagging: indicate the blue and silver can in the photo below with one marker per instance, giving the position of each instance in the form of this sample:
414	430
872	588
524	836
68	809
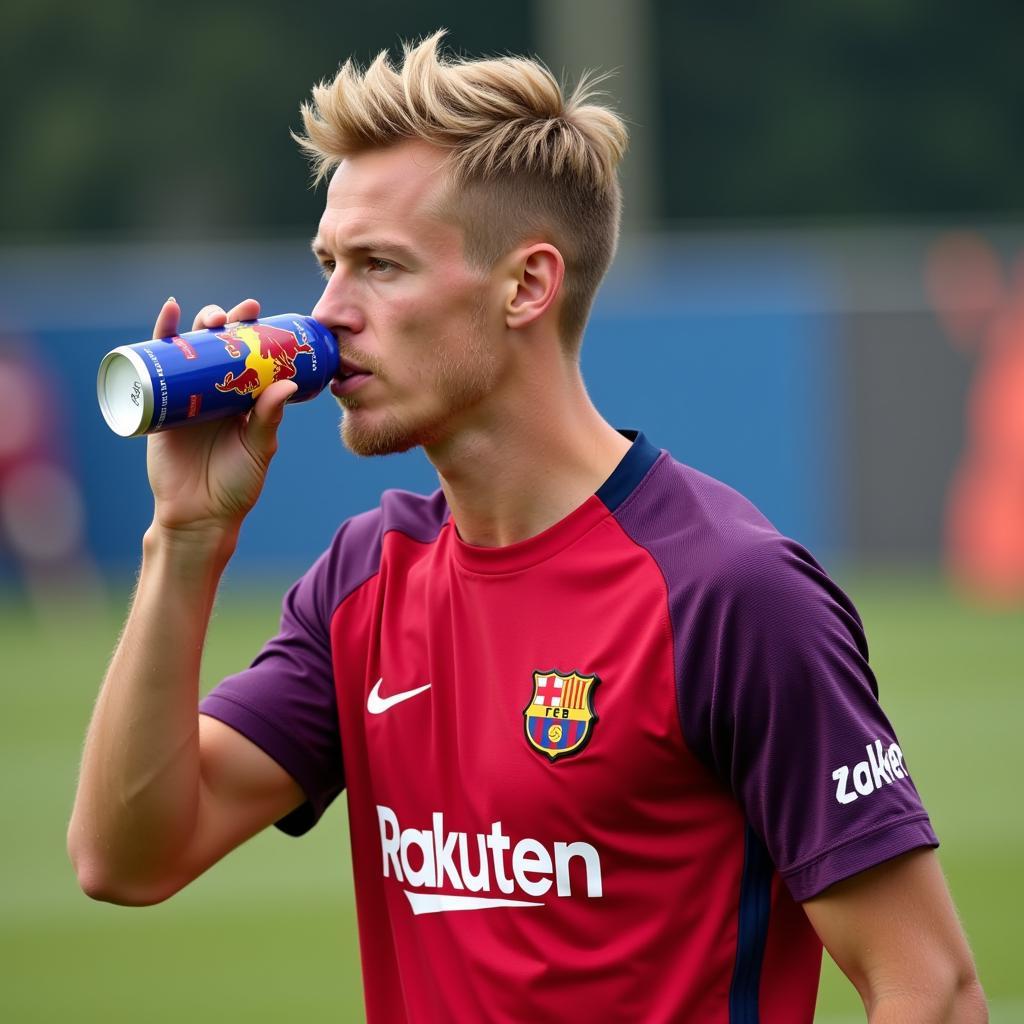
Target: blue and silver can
205	375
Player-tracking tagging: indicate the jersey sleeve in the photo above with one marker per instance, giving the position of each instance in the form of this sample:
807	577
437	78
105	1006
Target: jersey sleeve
777	697
285	702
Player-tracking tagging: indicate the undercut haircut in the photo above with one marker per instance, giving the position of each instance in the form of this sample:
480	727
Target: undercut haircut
525	163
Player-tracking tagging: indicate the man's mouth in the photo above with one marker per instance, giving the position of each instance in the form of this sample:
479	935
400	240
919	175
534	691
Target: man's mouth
347	368
349	376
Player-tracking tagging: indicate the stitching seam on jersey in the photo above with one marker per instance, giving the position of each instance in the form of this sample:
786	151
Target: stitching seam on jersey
859	837
676	675
667	623
330	618
288	740
255	712
667	619
376	572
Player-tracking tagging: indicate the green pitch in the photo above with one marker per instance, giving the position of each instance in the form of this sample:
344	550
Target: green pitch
269	934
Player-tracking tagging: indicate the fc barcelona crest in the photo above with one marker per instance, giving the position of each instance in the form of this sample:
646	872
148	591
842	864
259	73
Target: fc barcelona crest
560	716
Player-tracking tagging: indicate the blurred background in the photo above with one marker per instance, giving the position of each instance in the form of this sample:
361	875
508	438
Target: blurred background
819	298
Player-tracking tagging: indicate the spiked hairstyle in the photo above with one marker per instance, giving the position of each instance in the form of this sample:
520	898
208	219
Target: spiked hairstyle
525	163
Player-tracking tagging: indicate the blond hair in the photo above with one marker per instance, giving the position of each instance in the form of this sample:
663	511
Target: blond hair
525	162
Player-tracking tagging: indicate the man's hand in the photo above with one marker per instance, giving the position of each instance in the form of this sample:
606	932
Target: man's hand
894	932
207	476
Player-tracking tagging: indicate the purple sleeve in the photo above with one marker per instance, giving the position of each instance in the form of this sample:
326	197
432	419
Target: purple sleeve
285	701
777	697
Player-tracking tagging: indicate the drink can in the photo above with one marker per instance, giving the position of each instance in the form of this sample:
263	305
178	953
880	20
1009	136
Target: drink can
205	375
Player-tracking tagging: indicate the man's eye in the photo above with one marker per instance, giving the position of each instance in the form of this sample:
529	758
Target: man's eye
376	263
327	268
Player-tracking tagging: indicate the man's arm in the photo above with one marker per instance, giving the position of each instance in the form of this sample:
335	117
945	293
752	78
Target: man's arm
163	792
894	932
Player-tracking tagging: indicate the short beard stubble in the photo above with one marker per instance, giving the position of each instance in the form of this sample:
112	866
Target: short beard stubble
460	381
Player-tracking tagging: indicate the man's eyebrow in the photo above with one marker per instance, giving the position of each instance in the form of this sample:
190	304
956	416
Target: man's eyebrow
320	251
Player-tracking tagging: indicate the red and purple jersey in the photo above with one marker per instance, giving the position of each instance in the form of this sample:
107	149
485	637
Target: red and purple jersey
590	775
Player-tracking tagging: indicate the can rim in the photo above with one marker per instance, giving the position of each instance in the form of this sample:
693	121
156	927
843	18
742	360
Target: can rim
145	379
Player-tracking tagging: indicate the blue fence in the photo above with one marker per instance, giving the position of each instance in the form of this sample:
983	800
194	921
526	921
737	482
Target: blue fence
726	359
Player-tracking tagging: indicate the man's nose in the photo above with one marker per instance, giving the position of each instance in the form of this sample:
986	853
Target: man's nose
337	307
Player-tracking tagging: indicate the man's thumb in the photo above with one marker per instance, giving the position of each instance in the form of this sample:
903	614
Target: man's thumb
266	417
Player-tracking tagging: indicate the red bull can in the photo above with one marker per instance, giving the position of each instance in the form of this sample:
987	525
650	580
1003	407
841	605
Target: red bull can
205	375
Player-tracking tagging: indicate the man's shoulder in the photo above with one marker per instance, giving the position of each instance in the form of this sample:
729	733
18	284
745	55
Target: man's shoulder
419	516
718	553
355	552
695	524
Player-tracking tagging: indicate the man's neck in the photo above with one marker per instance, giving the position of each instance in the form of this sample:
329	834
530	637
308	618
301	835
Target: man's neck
521	473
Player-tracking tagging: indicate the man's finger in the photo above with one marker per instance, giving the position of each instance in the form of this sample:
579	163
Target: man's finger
209	316
266	416
247	309
167	319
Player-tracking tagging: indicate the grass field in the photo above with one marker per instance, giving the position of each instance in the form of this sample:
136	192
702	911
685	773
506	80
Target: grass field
268	935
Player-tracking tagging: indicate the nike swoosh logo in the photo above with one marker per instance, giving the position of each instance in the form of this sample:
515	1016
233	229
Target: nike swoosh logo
438	903
377	705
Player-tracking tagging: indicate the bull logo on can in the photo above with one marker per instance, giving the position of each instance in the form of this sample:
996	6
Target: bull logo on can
272	354
560	718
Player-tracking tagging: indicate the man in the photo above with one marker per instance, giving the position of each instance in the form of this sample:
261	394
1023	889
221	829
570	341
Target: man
611	745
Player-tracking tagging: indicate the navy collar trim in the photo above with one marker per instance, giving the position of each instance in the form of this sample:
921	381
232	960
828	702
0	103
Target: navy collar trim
629	472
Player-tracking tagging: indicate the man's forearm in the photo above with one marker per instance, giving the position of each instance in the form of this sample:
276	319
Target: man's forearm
138	789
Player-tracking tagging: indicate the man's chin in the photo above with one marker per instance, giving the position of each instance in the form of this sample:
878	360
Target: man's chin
377	439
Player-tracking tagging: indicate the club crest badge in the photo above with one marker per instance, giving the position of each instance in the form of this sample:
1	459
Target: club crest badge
560	716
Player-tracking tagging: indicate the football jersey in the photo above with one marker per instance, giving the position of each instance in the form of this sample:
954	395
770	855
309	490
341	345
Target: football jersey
590	775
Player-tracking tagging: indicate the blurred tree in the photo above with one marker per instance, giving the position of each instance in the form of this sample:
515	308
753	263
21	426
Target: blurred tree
172	120
857	108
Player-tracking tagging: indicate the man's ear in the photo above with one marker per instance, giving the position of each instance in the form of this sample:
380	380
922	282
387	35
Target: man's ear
537	272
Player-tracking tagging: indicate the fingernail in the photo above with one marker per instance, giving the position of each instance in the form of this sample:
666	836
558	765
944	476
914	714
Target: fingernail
171	298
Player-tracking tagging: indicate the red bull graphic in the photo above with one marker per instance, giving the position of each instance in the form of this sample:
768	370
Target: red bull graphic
204	375
272	354
560	717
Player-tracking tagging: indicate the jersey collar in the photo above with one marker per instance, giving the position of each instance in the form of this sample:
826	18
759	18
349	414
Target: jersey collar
632	468
629	472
